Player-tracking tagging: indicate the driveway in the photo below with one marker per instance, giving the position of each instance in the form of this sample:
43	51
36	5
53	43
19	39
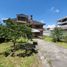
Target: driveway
51	55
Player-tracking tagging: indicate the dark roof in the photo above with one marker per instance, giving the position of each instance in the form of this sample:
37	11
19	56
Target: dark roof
29	20
36	22
22	15
15	20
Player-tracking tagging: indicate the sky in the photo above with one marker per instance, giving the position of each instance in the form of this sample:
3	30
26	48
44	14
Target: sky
46	11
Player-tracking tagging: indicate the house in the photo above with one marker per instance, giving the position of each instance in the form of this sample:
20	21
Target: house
37	27
63	23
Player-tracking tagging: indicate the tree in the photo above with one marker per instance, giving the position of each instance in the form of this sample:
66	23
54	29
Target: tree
16	30
3	33
57	34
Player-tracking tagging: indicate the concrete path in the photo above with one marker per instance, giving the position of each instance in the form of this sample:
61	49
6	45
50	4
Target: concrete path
51	55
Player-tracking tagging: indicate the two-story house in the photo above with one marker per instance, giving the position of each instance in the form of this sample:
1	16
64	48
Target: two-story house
37	27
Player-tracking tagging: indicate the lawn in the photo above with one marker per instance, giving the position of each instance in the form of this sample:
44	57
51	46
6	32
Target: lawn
62	44
49	39
30	61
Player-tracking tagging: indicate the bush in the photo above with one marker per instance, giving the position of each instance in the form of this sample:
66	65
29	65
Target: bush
65	38
2	40
22	40
57	34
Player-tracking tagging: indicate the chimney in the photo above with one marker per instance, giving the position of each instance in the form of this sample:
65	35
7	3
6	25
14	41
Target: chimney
31	17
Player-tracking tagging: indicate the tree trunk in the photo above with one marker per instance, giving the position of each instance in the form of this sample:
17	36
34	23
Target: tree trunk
13	53
14	45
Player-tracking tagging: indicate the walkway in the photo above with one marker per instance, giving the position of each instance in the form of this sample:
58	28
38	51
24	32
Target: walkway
51	55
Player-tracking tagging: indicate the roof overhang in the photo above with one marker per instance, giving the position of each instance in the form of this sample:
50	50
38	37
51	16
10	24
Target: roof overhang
35	30
62	19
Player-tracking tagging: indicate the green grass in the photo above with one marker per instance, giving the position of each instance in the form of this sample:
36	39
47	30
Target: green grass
16	61
62	44
49	39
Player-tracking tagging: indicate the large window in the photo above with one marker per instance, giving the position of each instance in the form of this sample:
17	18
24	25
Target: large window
22	19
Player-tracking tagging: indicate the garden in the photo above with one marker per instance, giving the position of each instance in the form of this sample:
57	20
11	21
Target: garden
17	48
59	36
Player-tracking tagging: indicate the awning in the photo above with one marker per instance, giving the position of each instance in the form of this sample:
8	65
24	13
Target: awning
35	30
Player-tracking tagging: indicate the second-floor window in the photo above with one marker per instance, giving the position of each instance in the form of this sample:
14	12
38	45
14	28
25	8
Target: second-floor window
22	19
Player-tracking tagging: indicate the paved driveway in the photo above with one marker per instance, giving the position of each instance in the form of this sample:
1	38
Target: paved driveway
51	55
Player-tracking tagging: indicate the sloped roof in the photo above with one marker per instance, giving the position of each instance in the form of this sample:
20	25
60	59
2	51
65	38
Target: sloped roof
29	20
36	22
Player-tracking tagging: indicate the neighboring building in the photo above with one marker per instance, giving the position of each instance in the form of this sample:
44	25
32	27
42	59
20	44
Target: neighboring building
37	27
48	29
63	23
47	33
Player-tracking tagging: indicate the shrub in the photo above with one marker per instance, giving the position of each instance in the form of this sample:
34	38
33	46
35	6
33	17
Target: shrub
57	34
65	38
22	40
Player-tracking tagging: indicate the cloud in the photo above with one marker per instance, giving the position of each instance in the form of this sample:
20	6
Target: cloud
55	10
51	26
3	19
52	8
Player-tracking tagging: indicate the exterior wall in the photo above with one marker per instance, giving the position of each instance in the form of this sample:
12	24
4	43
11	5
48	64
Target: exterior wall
64	27
40	28
36	34
63	23
37	26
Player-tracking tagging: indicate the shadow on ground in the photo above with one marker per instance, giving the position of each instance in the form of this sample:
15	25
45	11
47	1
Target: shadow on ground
27	48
